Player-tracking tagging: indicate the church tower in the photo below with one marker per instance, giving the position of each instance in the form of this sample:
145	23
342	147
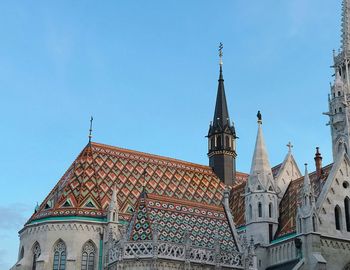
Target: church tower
222	136
339	98
261	201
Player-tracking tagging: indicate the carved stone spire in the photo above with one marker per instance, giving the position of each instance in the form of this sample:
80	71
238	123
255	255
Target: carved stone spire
260	169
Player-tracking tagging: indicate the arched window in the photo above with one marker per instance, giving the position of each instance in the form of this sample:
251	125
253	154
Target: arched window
337	216
347	213
212	142
88	256
340	109
60	255
260	209
270	210
250	212
36	254
218	141
339	93
227	142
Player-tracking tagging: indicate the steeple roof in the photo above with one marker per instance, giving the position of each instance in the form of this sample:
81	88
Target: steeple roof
221	116
260	162
261	177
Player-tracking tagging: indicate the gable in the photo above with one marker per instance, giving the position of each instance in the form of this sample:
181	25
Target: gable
333	194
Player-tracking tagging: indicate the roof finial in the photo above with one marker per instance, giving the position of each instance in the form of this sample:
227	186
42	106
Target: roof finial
221	46
290	146
259	117
90	130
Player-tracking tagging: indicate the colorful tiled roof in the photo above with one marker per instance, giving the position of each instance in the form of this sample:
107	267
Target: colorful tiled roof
86	188
292	197
175	220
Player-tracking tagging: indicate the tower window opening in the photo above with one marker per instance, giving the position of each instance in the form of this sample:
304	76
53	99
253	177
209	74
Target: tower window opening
339	94
260	209
270	210
337	216
335	110
228	146
218	141
334	95
212	146
250	212
340	109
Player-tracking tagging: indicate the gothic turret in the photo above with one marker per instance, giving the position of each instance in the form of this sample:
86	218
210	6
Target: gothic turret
260	195
307	216
222	137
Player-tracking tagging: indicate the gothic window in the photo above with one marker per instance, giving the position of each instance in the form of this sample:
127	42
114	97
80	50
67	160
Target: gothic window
270	210
347	213
227	142
88	256
60	254
340	109
300	225
337	216
36	254
218	141
213	142
250	212
260	209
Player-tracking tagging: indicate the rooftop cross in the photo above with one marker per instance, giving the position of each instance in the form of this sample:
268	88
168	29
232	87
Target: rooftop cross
90	130
290	146
221	46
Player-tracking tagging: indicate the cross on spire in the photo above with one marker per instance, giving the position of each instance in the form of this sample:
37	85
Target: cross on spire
290	146
221	46
90	130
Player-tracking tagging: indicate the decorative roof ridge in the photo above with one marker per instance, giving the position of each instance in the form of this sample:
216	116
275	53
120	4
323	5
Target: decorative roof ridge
163	198
149	155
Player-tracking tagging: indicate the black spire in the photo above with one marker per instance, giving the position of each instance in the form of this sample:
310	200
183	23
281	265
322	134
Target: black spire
221	116
222	136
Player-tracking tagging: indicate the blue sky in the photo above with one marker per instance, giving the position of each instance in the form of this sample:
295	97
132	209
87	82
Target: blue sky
147	71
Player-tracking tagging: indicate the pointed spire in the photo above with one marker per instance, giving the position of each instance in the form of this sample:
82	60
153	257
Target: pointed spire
221	116
307	184
260	162
338	80
346	25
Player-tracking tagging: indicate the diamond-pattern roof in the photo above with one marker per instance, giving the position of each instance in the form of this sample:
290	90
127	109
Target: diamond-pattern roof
176	220
292	197
86	188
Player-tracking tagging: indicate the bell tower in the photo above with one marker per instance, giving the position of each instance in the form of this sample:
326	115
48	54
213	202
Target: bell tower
222	136
339	98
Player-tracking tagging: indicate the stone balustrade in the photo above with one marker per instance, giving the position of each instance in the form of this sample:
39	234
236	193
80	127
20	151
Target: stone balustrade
171	251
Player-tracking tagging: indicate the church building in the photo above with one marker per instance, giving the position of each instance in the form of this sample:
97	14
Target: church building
119	209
